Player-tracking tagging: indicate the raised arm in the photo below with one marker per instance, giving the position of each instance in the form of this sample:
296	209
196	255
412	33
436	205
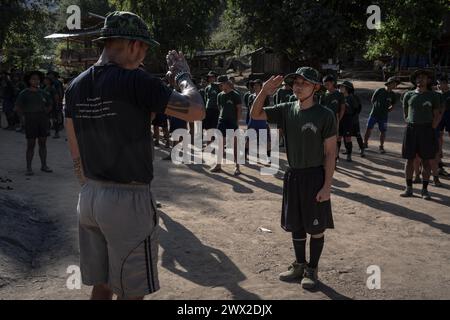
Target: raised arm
269	88
188	103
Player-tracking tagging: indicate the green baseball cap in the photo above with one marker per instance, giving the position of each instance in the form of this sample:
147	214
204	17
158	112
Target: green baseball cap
223	79
392	80
348	85
309	74
126	25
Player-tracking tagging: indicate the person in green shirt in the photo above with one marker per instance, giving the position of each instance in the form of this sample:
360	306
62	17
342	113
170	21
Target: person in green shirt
57	113
246	98
346	123
310	133
422	108
212	110
383	102
283	94
445	122
35	105
230	106
333	99
50	89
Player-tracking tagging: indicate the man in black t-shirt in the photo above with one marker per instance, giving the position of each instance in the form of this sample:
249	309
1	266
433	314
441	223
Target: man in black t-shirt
108	109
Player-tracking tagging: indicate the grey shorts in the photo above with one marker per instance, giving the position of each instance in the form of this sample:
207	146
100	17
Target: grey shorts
118	227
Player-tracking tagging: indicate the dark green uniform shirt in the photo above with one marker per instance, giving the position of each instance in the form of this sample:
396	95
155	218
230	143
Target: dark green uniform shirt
228	103
305	132
382	100
51	92
33	101
211	93
419	107
203	94
333	101
282	96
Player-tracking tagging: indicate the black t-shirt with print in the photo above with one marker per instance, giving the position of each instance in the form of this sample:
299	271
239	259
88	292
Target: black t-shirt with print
111	110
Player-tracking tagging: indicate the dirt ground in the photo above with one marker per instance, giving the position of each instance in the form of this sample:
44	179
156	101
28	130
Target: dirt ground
210	243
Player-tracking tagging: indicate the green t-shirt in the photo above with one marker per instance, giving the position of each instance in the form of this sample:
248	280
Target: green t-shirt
33	101
203	94
282	96
51	92
305	132
211	93
382	100
419	107
333	101
228	103
445	100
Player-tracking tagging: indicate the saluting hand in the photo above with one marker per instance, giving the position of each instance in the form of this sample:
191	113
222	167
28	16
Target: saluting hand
177	62
272	85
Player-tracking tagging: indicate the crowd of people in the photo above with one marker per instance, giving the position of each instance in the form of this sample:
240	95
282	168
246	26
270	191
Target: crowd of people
32	105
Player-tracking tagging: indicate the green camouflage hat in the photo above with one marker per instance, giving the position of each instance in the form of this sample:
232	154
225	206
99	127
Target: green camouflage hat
309	74
126	25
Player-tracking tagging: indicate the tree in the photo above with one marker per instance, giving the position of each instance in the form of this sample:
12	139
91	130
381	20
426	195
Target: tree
305	30
24	25
177	24
408	27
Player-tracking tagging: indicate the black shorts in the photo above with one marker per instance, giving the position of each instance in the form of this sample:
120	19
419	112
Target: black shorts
300	210
160	121
225	125
37	125
346	126
420	139
211	119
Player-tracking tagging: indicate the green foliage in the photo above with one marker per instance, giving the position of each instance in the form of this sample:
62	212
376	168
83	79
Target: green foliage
408	26
23	27
182	25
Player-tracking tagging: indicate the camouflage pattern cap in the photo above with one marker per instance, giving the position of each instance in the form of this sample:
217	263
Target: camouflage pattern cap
126	25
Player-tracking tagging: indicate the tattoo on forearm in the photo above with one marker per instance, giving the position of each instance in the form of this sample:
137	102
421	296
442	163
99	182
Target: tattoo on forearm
79	170
189	96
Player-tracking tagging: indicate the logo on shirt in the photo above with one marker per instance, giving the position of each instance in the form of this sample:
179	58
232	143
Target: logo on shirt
316	222
229	101
309	126
427	104
334	102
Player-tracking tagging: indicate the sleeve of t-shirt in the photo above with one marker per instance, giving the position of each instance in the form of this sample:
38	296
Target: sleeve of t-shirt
151	93
274	113
406	104
330	128
375	95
